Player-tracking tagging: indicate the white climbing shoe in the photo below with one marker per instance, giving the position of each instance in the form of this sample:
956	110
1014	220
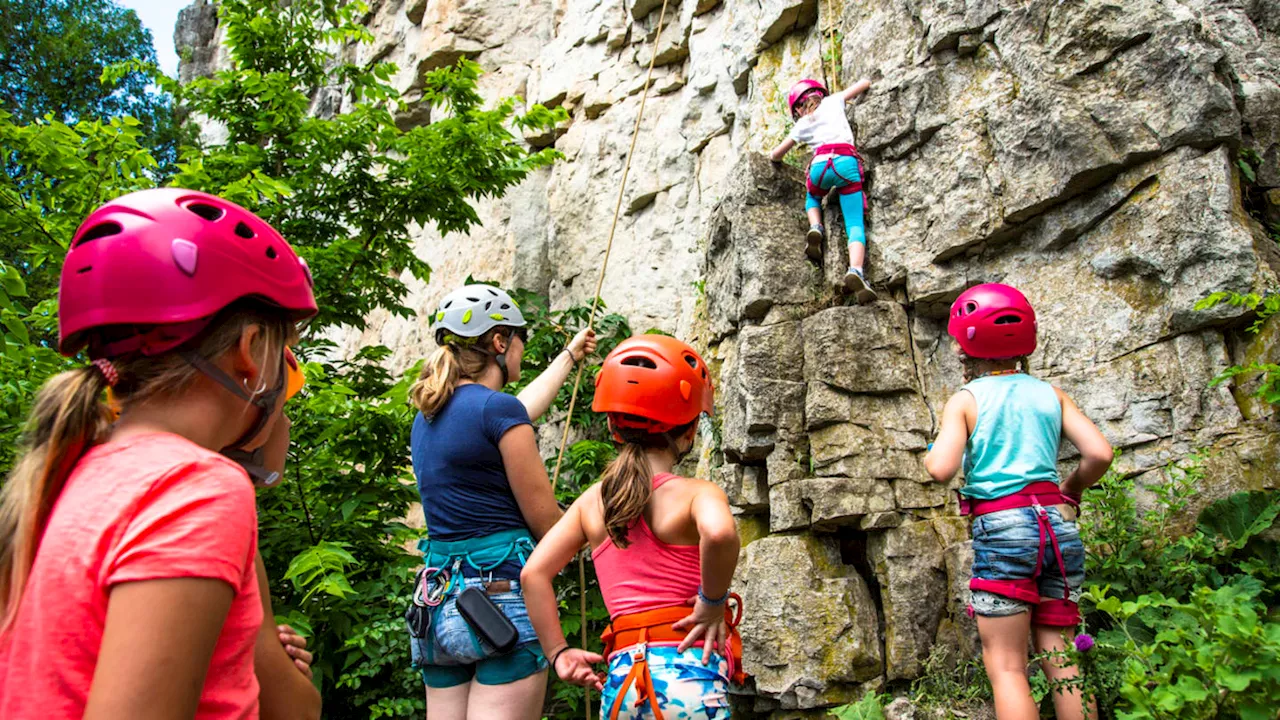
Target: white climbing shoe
856	284
813	242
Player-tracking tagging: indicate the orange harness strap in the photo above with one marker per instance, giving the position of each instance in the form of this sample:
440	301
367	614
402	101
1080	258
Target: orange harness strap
639	676
637	630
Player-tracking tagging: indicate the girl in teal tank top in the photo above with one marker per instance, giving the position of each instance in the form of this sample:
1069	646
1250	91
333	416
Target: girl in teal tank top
1004	427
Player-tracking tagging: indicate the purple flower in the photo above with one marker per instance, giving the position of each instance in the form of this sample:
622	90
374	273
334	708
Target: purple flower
1084	642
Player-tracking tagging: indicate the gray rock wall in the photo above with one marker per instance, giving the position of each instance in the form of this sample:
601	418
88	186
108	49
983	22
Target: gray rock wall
1083	151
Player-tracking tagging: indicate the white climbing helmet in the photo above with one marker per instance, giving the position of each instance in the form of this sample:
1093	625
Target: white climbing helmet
473	310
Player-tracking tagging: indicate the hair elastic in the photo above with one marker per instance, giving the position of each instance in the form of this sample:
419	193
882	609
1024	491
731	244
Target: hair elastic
109	372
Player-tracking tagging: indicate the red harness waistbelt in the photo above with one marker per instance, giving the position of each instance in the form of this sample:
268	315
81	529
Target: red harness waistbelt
1056	612
851	186
637	630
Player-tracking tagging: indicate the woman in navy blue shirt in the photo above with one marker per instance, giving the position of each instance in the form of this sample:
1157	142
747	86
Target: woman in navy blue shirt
486	497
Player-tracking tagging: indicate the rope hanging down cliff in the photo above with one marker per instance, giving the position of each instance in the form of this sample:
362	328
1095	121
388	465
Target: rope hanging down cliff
591	319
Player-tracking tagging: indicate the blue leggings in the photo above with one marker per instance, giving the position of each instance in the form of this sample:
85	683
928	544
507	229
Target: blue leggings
846	169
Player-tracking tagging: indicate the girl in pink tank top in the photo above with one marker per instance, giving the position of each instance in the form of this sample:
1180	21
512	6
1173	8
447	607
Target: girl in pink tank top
665	548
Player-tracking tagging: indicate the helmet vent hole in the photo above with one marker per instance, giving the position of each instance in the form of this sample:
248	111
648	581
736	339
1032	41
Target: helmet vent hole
693	361
446	305
208	212
84	269
474	299
488	305
504	306
970	307
633	382
244	231
101	230
1008	320
271	252
643	362
493	293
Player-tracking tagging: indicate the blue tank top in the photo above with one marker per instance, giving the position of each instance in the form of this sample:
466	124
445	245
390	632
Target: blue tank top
1015	440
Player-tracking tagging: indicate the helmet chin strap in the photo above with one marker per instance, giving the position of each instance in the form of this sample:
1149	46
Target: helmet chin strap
265	402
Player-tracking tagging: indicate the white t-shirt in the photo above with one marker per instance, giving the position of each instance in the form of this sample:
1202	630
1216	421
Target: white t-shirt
825	126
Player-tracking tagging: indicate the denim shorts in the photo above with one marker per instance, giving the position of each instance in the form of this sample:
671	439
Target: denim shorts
685	688
1005	547
452	654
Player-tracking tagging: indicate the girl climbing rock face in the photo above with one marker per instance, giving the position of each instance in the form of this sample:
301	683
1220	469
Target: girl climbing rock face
128	585
1005	427
486	498
820	123
665	548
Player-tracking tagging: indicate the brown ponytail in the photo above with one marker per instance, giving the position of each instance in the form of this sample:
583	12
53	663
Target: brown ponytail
627	483
69	418
625	487
447	366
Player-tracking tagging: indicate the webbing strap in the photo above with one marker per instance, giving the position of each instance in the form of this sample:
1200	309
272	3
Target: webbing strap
640	678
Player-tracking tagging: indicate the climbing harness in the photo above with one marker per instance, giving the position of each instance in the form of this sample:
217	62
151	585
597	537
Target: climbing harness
1054	612
832	152
591	319
448	563
634	633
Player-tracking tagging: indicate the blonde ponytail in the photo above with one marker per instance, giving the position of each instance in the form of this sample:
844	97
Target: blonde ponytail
435	383
69	417
448	365
626	486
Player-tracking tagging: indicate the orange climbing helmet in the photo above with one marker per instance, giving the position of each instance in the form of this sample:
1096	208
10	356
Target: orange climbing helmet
653	383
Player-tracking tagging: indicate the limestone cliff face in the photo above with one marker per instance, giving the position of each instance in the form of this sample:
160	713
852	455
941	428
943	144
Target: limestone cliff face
1083	151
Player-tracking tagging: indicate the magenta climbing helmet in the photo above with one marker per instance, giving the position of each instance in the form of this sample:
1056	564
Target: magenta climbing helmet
157	265
801	90
993	321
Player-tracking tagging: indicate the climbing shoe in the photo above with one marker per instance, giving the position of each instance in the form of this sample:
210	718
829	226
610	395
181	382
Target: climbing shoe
813	242
856	284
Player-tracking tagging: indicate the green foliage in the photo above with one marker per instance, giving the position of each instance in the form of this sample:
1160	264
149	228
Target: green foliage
53	55
348	189
1248	161
1266	306
1184	623
949	683
870	707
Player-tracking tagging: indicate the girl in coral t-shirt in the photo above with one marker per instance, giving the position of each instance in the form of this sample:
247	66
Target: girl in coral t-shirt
128	586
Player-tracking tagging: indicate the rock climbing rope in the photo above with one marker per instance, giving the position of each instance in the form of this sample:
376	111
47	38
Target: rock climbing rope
591	319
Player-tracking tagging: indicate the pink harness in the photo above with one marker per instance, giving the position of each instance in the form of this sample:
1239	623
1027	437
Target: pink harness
1054	613
851	186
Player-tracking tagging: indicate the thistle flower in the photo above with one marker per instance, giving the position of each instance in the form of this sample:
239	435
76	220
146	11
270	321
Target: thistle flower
1084	642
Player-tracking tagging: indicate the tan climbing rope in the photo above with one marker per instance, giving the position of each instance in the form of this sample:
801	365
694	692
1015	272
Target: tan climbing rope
591	319
833	79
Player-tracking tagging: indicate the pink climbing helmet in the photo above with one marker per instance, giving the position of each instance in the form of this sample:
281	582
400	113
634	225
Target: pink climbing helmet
801	90
993	321
159	264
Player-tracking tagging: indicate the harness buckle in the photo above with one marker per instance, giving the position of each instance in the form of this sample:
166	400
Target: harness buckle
639	651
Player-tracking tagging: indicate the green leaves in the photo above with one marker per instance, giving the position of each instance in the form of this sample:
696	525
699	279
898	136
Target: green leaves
868	708
321	568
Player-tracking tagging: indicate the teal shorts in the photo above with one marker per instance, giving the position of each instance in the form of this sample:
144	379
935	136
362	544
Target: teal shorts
451	654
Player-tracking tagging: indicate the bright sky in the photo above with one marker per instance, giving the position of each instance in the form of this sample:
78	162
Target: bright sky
159	17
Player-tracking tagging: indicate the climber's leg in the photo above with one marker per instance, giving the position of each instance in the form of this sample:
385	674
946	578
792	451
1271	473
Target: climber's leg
1068	703
1004	654
813	208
